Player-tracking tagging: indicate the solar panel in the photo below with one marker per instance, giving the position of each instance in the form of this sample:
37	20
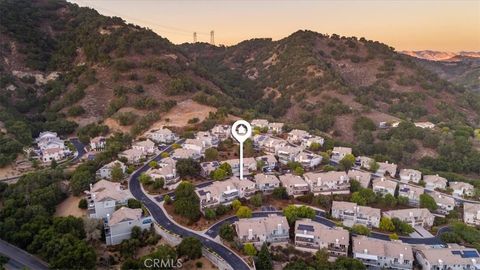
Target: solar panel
456	252
470	254
303	227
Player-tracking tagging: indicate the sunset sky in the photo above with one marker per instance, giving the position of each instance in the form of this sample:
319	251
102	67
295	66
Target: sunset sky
406	25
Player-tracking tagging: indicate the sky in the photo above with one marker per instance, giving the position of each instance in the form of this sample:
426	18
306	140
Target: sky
444	25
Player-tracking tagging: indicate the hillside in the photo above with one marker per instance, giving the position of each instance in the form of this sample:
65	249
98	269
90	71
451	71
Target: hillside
442	56
74	71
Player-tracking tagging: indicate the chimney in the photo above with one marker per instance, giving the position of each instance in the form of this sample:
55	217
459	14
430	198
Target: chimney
208	196
304	231
365	251
228	187
410	214
319	181
108	218
250	233
279	228
337	241
91	186
440	262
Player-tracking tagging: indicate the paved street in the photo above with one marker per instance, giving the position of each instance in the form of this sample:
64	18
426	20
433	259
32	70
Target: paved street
19	256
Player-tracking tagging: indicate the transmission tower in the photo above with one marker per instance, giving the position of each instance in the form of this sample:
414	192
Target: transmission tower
212	37
194	37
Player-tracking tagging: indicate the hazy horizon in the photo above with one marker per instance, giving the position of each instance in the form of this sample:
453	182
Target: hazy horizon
450	26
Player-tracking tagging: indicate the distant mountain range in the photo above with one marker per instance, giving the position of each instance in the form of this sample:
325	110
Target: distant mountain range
442	56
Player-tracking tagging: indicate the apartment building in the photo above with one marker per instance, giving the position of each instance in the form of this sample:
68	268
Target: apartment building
249	166
471	213
364	162
104	197
224	192
266	182
208	139
312	236
445	203
453	257
351	214
105	172
327	183
433	182
338	153
294	185
411	192
379	254
182	153
410	175
119	226
308	141
413	216
364	178
296	136
222	132
269	162
308	160
196	145
386	168
271	145
270	229
275	127
162	135
461	189
287	153
384	186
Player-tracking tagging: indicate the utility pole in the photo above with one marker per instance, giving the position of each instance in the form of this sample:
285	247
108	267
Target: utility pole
194	37
212	37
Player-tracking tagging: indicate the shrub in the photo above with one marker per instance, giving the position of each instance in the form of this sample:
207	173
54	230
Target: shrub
83	204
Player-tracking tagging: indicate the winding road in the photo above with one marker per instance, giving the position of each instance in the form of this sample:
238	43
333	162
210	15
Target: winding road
160	217
20	257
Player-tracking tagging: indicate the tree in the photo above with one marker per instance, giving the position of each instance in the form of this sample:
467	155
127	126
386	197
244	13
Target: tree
83	204
347	162
219	174
373	166
358	199
393	236
211	154
117	173
167	199
401	227
360	229
264	259
347	263
402	200
80	181
226	167
315	147
163	253
153	164
159	183
190	247
292	213
244	212
249	249
280	193
145	179
133	203
427	201
210	214
299	171
188	167
227	232
53	164
256	200
355	186
386	224
236	204
390	200
186	201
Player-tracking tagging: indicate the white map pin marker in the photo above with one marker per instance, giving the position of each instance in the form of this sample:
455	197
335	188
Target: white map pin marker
241	131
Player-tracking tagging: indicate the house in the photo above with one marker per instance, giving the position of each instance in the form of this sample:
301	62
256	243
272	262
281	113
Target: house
351	214
119	226
445	203
424	125
312	236
104	197
433	182
132	155
471	213
364	162
338	153
410	175
222	132
269	162
105	171
411	192
51	147
224	192
380	254
182	153
249	166
413	216
363	178
294	185
385	168
56	154
207	138
287	153
259	123
308	160
327	183
98	143
275	127
268	144
266	182
163	135
259	230
308	141
147	147
461	189
167	171
296	136
196	145
452	257
384	186
208	167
